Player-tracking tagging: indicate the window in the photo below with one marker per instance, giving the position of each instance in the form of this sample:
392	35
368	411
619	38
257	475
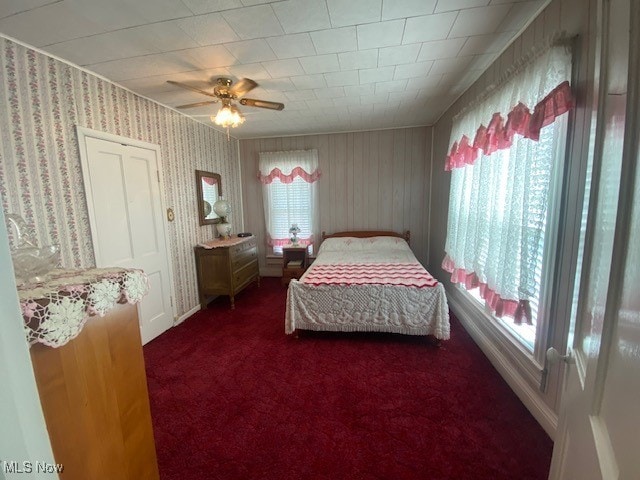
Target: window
289	181
501	189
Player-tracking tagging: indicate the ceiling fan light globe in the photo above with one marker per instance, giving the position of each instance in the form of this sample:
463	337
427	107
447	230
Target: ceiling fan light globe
228	116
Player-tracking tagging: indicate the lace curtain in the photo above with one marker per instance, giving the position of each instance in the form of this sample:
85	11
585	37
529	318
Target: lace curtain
289	188
499	196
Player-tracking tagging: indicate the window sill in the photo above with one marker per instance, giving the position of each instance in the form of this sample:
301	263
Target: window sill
499	335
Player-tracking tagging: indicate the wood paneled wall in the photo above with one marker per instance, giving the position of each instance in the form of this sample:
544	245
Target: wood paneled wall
375	180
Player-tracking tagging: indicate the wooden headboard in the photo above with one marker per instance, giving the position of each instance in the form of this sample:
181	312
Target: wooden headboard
369	233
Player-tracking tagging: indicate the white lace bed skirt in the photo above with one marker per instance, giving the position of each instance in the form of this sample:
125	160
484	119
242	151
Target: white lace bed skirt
367	308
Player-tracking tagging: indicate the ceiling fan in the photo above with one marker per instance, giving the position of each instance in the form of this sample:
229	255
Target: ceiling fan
226	92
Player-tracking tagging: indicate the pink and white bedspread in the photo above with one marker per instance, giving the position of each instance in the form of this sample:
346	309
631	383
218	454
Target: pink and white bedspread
401	274
371	284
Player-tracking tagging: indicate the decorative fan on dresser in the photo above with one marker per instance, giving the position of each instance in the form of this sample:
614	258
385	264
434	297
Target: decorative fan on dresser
226	92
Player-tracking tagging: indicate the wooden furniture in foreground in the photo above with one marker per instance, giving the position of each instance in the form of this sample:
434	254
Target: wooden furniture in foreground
226	269
294	262
369	233
93	392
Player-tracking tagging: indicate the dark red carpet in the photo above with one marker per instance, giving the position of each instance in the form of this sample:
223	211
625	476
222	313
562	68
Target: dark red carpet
233	397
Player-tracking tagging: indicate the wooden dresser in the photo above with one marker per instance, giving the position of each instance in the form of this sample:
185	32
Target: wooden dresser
226	267
93	392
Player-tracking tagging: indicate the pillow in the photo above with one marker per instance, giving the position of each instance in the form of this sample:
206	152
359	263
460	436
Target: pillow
384	243
340	244
350	244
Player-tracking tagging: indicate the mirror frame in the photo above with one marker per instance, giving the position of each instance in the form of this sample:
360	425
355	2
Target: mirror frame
199	175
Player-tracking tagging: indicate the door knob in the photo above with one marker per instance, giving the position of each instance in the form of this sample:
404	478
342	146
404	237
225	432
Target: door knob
553	356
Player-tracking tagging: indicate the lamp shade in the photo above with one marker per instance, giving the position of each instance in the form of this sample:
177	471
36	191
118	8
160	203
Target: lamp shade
222	208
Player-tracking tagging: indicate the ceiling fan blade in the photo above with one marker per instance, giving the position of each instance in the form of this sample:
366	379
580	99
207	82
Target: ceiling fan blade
242	87
261	104
189	87
198	104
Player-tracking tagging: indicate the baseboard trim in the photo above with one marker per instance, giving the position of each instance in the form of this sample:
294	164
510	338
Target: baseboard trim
530	397
184	316
271	271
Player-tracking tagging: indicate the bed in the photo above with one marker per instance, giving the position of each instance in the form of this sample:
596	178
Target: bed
367	282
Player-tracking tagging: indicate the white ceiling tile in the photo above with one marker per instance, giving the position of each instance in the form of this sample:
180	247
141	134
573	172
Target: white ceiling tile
397	97
412	70
147	66
250	51
406	8
11	7
392	86
359	59
333	92
254	22
49	24
451	5
374	99
360	90
296	95
179	97
302	15
295	105
345	101
100	48
483	44
478	21
440	49
428	27
303	82
362	109
320	63
337	108
292	46
199	7
316	104
519	14
283	68
151	10
117	14
398	55
277	85
250	3
450	65
374	75
342	79
254	71
165	36
335	40
265	94
353	12
424	82
209	29
381	34
385	107
209	57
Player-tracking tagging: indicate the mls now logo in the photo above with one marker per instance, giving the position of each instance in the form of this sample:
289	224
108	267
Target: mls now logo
31	467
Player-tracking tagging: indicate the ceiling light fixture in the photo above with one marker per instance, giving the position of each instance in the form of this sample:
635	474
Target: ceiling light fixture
229	116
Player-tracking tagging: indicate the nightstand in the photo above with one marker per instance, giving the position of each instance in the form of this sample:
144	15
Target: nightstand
294	262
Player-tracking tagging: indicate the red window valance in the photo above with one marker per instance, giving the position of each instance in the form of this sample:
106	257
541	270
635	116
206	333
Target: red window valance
499	132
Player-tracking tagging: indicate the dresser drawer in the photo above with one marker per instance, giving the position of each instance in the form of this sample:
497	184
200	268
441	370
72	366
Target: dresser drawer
242	247
245	274
240	259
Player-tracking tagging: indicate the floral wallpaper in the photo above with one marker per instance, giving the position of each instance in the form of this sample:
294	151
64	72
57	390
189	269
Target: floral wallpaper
41	102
